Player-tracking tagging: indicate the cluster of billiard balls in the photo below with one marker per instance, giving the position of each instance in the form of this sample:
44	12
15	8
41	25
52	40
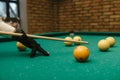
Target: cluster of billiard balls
76	38
80	53
105	44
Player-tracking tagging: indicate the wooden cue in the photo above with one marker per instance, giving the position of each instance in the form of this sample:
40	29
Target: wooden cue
43	37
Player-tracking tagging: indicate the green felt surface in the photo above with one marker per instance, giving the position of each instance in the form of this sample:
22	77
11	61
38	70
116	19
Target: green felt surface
60	65
5	38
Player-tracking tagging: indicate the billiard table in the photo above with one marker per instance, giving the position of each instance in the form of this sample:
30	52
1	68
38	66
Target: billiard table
61	64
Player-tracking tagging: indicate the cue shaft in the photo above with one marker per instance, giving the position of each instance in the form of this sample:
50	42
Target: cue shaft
42	37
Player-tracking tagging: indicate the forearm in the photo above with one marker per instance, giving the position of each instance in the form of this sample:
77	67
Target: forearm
6	27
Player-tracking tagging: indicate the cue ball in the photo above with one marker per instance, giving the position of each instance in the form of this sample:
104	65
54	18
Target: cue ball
77	38
81	53
20	46
67	43
103	45
111	40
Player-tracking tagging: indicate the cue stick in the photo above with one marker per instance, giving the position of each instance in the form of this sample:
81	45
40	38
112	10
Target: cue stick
43	37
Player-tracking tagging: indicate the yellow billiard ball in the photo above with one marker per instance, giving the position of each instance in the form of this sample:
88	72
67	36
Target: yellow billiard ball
20	46
67	43
103	45
81	53
77	38
111	40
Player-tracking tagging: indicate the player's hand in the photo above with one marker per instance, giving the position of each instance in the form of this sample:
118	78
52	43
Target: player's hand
30	43
37	47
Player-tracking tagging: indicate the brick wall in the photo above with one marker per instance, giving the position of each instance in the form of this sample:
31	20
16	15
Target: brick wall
90	15
77	15
40	16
